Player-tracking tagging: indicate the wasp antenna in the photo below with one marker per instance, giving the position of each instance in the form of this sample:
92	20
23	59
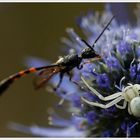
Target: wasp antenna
87	44
106	27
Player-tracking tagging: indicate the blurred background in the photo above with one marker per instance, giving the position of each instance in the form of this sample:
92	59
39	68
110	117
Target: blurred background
33	29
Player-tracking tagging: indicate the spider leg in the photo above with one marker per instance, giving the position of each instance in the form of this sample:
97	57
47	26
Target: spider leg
107	98
121	81
129	84
129	109
123	106
115	101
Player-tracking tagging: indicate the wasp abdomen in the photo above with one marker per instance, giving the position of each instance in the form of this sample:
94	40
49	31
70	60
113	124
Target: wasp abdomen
5	84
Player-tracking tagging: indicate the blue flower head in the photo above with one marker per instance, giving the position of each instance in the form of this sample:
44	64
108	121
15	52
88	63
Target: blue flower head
112	76
112	62
91	117
102	80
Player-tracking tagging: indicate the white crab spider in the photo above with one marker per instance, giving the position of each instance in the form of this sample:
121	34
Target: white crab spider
129	94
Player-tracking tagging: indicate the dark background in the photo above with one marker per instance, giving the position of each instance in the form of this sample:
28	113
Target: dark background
32	30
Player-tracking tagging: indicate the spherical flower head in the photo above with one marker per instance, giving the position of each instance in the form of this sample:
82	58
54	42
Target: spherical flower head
102	80
118	68
112	62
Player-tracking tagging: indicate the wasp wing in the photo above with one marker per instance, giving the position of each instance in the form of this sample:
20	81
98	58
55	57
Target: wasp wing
48	70
46	74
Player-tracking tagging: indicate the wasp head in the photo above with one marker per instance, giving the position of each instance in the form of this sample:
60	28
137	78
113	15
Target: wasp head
88	53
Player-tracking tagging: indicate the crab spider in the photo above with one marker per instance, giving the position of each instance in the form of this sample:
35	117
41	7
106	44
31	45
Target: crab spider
129	95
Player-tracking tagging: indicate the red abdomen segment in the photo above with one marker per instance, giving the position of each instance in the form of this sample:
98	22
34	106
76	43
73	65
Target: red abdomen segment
4	84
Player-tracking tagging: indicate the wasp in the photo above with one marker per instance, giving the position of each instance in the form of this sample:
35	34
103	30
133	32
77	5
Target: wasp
62	66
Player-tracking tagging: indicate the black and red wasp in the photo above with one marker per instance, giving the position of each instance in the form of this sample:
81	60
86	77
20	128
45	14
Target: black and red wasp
62	66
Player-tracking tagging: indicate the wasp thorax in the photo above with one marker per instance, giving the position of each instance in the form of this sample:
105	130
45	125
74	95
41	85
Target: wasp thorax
135	106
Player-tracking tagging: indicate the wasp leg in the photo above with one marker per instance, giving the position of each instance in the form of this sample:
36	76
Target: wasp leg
79	67
70	75
60	81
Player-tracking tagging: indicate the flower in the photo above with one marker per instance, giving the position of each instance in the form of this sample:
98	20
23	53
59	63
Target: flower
119	48
102	80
